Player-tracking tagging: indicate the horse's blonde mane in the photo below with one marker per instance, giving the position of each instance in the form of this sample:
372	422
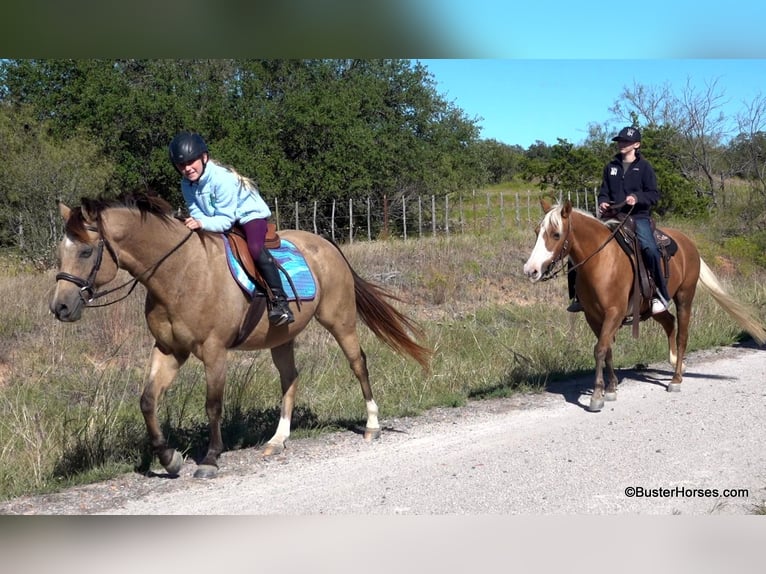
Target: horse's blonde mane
553	217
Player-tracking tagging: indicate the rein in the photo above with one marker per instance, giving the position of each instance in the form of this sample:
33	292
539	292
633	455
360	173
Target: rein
565	249
87	286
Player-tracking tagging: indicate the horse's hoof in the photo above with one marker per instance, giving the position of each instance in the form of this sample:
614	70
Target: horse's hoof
674	387
174	466
610	396
206	471
273	449
371	434
596	405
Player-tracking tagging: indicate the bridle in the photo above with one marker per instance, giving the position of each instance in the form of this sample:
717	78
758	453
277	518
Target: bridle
550	273
88	292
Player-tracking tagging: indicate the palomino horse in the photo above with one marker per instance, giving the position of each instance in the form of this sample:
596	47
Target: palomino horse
604	282
194	307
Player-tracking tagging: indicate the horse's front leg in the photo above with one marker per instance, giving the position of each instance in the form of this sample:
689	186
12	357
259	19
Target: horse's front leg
215	374
597	398
610	394
602	354
162	370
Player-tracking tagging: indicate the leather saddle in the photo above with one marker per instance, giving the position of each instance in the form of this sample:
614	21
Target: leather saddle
239	249
643	284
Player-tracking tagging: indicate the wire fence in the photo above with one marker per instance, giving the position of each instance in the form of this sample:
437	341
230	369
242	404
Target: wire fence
405	216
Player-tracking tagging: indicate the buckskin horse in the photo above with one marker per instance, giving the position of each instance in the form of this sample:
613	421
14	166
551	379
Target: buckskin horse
194	307
605	280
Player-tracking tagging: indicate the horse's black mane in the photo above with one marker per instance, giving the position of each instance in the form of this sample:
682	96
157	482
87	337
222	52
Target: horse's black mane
145	202
92	208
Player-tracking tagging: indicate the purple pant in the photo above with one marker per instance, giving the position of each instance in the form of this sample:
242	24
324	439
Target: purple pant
255	233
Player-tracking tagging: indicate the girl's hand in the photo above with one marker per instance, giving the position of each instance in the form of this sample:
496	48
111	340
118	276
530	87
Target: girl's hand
192	223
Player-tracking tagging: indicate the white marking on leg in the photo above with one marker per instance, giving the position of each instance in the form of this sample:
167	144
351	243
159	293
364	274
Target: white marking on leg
283	428
372	415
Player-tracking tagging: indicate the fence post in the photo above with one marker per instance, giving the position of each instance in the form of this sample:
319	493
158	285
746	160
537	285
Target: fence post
332	220
420	216
433	215
529	211
315	216
489	217
369	232
446	213
502	210
404	215
297	226
350	220
276	211
385	216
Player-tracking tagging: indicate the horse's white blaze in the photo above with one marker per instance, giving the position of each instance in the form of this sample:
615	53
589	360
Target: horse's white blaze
540	256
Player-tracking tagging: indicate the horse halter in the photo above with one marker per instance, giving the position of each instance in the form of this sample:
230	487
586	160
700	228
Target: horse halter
549	272
88	286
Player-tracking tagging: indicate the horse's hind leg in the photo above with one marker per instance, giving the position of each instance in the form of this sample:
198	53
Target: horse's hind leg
348	340
163	369
678	336
284	360
357	360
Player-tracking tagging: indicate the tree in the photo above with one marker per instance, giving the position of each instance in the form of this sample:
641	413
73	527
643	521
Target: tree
696	116
304	129
39	171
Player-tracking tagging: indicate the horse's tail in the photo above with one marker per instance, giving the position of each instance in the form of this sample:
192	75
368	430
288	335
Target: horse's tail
388	323
739	312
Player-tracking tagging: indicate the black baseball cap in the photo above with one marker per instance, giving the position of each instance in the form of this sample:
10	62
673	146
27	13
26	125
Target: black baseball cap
628	134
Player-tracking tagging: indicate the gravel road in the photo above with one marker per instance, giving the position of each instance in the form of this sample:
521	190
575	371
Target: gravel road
538	454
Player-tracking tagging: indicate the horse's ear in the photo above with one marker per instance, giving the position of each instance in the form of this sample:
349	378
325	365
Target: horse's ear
567	209
545	204
86	206
64	211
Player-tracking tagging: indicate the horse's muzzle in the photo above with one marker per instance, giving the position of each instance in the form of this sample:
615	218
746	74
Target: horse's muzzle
67	312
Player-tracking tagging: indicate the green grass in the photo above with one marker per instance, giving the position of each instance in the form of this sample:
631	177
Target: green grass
69	392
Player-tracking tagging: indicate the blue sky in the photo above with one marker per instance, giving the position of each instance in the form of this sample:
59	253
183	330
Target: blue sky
525	100
546	69
597	29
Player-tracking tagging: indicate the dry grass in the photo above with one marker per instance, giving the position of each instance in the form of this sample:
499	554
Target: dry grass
69	392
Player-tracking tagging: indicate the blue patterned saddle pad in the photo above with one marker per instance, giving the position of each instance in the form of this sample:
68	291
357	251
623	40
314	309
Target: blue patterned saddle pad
290	259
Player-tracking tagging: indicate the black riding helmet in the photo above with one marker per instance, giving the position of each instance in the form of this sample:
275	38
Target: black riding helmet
186	147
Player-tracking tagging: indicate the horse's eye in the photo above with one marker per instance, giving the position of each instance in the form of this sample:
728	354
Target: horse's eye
556	235
86	252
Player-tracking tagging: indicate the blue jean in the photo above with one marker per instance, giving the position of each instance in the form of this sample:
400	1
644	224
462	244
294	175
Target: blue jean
651	254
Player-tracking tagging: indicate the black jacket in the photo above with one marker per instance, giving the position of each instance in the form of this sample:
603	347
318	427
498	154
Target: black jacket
639	180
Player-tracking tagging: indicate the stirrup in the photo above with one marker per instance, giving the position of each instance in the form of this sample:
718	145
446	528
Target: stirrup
279	313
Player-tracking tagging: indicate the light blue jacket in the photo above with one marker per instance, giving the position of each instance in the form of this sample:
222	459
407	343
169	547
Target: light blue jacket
218	199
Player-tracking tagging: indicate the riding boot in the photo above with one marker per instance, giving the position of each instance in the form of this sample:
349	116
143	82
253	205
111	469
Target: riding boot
279	308
574	305
652	260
